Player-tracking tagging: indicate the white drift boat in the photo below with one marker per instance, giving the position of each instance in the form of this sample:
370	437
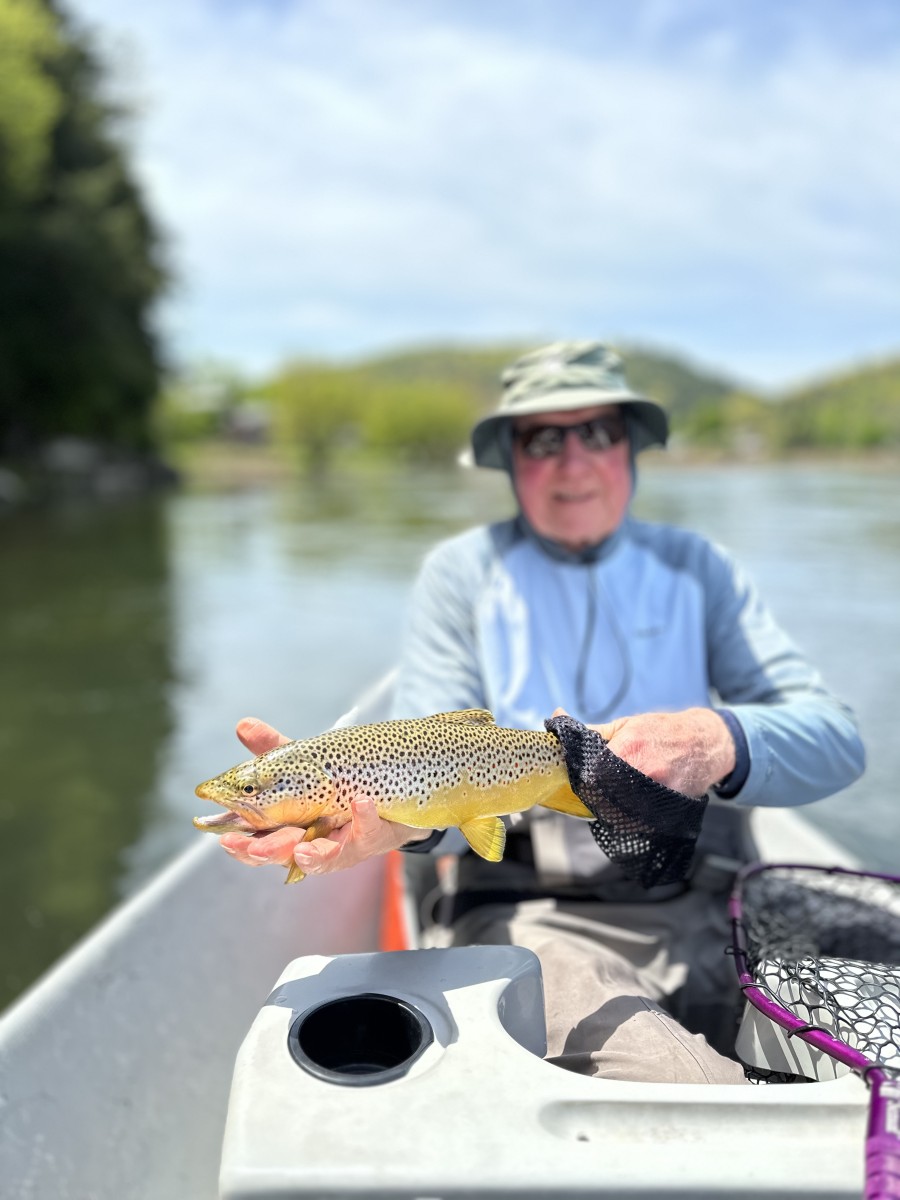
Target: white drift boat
116	1069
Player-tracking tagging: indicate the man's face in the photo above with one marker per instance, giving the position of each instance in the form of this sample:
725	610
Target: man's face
578	496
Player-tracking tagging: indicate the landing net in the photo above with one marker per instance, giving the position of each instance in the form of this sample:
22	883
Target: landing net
826	946
818	952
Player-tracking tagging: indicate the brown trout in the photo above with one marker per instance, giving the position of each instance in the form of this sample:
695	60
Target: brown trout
452	769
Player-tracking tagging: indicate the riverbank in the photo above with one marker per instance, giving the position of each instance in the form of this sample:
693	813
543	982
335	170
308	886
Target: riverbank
70	469
225	465
73	468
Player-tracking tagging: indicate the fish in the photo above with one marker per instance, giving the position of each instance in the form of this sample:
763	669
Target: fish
451	769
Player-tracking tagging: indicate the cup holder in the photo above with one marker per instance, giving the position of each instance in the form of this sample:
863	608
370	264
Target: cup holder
360	1040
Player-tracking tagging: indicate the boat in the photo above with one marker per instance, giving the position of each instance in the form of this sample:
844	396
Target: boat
163	1057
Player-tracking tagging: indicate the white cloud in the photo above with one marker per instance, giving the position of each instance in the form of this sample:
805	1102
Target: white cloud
342	175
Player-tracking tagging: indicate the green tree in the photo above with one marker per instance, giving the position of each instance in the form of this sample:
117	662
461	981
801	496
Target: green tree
80	257
317	410
30	99
427	422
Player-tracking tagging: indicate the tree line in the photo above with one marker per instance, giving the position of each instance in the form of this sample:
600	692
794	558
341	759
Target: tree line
81	258
420	405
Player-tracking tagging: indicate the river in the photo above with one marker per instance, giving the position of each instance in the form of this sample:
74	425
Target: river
135	634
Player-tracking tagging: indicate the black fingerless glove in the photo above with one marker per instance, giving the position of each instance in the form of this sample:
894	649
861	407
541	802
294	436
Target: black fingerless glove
644	827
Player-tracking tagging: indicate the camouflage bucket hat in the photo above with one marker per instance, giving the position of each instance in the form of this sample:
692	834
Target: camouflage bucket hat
559	378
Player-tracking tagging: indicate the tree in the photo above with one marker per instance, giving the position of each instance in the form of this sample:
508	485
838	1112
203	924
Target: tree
80	257
30	99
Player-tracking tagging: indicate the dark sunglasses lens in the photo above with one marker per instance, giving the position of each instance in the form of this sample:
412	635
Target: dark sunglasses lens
545	441
601	433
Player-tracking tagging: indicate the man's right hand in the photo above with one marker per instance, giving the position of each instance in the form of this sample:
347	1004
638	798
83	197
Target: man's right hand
365	835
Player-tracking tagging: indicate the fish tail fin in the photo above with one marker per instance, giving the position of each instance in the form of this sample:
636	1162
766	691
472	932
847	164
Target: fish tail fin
486	836
564	800
294	874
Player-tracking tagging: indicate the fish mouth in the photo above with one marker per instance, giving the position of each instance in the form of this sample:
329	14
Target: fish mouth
220	822
226	822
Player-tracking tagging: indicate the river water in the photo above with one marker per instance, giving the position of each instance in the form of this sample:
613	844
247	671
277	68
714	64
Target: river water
133	636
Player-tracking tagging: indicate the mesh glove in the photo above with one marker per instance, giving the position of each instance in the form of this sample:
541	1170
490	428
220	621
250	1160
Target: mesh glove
648	830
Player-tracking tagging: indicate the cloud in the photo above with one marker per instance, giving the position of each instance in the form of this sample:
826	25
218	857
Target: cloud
338	176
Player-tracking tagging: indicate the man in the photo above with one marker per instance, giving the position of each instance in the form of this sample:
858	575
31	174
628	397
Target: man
653	636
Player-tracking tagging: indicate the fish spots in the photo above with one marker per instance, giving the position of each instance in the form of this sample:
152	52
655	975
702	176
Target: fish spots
432	772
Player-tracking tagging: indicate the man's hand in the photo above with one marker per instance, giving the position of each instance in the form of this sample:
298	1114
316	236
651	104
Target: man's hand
364	836
687	751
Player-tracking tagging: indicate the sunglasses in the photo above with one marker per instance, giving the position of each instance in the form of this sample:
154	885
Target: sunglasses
545	441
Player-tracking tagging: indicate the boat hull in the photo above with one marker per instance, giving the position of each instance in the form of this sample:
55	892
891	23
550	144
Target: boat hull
116	1067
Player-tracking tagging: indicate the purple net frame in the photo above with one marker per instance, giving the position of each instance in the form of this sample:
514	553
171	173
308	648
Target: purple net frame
882	1150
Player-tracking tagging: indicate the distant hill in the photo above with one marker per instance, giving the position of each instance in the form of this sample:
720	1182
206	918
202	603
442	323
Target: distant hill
858	409
663	376
421	403
475	369
677	384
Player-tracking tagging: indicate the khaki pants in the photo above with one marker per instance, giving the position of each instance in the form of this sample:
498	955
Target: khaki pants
607	970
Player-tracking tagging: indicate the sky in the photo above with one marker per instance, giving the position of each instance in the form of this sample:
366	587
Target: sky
340	178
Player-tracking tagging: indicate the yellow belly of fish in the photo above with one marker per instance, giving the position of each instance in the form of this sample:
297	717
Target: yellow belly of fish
476	810
462	802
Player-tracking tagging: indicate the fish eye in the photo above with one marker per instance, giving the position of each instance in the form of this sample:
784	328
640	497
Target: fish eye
248	789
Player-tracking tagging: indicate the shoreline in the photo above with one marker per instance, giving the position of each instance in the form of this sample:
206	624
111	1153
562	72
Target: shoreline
224	465
235	465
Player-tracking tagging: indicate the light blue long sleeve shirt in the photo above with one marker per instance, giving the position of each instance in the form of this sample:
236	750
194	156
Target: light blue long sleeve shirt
662	620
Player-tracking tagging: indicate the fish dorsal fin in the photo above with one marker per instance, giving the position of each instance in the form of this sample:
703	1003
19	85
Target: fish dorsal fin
564	800
486	836
467	716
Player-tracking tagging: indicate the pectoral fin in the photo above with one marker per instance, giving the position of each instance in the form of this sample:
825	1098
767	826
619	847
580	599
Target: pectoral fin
319	828
322	826
564	800
486	836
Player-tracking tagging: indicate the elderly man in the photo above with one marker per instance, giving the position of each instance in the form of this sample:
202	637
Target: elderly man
654	637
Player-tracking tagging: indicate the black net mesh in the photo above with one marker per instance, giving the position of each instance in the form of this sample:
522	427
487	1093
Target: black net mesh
826	946
645	828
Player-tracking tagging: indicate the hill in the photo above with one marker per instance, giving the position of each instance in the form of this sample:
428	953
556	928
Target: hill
676	383
420	404
856	410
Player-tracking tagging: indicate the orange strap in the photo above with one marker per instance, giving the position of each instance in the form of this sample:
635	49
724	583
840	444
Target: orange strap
394	931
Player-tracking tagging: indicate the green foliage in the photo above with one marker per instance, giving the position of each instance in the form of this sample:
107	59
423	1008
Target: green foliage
322	410
423	422
475	370
857	410
30	99
739	423
80	259
422	404
317	410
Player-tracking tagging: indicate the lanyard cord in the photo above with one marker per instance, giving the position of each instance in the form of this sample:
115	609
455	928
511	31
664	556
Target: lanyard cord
597	593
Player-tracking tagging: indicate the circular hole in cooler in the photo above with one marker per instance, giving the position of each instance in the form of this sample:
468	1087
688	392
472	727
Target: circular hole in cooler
358	1040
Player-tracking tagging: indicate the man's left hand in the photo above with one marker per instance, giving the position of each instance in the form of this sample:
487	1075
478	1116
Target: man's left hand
687	751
